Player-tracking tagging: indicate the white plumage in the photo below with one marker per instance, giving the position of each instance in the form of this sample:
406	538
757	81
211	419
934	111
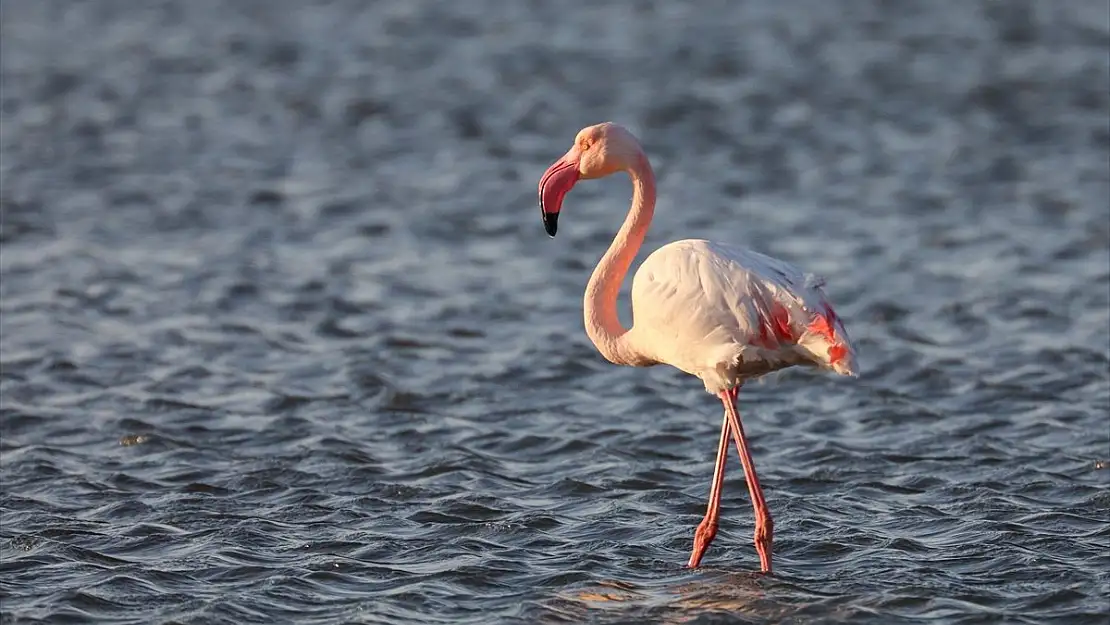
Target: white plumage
714	310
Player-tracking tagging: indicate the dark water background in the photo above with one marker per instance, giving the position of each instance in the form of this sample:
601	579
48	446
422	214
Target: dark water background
283	339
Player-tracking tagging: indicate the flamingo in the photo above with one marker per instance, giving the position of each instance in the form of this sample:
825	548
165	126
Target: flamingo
722	313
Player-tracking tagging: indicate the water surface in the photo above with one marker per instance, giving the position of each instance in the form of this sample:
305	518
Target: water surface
283	339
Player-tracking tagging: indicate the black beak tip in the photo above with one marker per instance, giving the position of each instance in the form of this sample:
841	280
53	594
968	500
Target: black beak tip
550	223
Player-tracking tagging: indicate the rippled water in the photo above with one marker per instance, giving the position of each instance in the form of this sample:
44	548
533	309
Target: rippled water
283	338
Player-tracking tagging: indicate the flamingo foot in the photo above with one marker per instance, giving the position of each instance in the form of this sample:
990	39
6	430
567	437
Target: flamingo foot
764	533
707	529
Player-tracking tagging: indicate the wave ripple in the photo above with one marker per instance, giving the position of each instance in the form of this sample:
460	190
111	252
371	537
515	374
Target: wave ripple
282	339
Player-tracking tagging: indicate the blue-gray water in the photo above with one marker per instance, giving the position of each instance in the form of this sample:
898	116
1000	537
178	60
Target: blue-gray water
283	339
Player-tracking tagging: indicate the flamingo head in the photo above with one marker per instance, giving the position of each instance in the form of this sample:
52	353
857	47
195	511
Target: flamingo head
598	151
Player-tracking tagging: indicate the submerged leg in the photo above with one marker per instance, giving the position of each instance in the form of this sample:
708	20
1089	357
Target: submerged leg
764	525
707	529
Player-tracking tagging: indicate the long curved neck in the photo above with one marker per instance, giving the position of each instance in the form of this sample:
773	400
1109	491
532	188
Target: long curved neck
600	303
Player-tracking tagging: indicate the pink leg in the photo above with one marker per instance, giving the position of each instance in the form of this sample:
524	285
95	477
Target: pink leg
764	525
707	529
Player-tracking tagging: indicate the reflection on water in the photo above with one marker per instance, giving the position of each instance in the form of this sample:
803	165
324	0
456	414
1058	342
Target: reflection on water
741	597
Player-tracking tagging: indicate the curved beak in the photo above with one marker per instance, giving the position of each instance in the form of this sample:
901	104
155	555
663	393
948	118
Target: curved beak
550	222
556	182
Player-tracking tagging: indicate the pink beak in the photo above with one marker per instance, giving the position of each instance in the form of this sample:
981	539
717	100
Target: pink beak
557	181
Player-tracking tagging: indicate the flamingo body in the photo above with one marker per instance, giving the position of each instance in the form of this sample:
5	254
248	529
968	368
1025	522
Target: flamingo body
726	314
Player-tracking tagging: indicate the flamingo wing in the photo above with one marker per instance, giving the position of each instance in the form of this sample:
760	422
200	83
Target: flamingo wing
725	314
